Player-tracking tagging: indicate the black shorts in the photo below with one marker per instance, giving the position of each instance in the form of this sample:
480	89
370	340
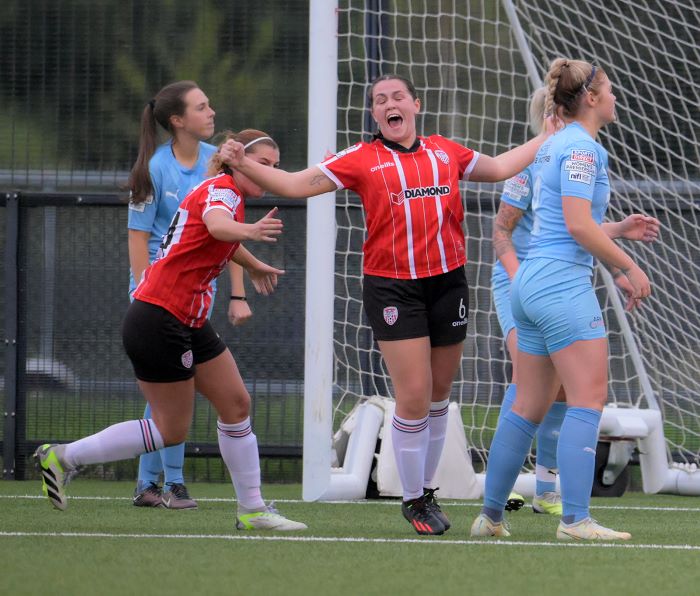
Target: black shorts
435	307
161	348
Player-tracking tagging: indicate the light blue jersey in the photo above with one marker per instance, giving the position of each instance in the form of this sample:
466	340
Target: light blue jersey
573	164
171	183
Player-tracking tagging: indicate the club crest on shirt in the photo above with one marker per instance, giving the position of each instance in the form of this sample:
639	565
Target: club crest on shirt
391	315
187	359
442	156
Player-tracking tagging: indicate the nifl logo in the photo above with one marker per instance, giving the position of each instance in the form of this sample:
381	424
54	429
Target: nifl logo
597	322
419	193
442	156
391	315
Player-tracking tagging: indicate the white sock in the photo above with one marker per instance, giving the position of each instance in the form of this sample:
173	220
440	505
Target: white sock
119	441
410	439
437	423
239	450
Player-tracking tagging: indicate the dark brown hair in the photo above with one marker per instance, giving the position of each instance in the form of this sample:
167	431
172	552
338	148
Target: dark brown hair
391	77
168	102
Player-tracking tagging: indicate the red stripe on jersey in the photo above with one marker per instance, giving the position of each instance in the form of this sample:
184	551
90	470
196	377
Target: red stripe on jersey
190	258
412	201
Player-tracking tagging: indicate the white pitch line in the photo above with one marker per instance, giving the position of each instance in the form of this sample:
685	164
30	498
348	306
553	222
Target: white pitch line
391	502
496	543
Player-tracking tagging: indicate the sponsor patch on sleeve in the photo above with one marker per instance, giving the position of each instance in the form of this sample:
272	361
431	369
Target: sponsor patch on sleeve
581	166
223	195
141	207
517	187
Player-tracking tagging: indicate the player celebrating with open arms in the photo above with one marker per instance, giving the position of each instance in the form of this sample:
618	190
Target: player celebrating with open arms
560	328
175	350
415	291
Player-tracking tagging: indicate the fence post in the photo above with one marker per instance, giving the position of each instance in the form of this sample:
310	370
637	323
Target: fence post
11	313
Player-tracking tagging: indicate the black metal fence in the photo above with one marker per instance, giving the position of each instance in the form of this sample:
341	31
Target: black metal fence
64	279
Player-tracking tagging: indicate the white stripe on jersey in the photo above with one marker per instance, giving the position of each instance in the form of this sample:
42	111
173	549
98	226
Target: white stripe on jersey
438	209
471	165
407	211
330	174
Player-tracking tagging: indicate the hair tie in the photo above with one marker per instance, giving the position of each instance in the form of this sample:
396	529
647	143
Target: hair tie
249	143
152	103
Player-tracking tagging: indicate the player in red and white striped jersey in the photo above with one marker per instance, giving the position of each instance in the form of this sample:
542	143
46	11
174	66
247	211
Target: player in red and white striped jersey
173	347
414	289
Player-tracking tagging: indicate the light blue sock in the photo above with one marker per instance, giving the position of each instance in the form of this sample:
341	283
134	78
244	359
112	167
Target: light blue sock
547	439
150	465
508	401
509	447
173	459
576	456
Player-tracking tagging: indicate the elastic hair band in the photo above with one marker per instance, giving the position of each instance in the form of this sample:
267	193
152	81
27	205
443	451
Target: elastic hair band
248	144
590	78
152	103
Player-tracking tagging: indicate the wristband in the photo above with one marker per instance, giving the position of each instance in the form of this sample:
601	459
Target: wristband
238	298
617	274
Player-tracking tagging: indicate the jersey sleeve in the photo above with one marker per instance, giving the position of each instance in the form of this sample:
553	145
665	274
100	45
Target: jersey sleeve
142	215
579	165
466	158
344	168
225	199
517	191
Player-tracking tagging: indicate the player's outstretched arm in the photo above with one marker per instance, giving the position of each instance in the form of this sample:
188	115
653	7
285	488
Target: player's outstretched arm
294	185
263	276
634	227
222	227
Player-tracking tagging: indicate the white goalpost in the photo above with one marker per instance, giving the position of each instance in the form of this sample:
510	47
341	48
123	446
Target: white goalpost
475	64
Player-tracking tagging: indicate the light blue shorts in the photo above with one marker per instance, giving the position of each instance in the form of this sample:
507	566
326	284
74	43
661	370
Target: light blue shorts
554	305
500	290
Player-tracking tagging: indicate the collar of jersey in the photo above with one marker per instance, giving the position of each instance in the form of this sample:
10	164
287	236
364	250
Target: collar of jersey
396	147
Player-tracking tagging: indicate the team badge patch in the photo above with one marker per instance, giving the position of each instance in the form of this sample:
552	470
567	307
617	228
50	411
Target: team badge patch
187	359
391	315
442	156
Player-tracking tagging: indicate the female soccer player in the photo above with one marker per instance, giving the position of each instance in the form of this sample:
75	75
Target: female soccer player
415	291
174	349
560	328
161	177
511	236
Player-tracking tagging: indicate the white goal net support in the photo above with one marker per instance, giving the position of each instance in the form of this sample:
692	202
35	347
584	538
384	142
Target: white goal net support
475	64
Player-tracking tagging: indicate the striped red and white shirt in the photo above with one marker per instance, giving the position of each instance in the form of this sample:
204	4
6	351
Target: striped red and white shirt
412	203
190	257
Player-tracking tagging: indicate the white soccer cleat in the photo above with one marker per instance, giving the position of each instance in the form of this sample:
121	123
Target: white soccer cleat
54	474
484	526
589	529
270	519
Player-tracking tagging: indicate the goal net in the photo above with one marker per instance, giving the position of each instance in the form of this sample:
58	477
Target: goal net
475	64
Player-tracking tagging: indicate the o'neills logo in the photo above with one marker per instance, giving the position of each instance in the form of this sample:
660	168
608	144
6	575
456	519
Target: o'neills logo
419	193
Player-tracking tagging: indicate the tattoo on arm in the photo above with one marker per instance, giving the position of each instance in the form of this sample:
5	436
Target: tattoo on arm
317	180
506	220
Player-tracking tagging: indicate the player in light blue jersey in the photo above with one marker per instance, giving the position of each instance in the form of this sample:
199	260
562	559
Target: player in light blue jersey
159	181
560	329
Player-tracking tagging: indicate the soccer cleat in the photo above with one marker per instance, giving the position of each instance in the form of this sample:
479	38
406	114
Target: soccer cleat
483	526
150	496
422	516
431	503
514	502
549	502
53	474
270	519
589	529
175	496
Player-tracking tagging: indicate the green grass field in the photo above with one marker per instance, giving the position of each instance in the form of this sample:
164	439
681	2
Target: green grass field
103	545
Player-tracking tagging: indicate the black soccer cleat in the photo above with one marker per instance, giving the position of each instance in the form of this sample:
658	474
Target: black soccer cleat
432	504
422	517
